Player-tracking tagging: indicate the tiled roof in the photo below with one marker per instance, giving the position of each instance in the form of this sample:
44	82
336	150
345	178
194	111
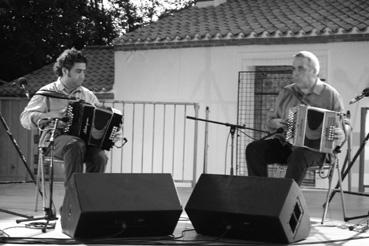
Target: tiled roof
256	20
99	76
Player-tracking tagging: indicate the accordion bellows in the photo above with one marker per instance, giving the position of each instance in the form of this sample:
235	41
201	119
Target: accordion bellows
312	128
96	126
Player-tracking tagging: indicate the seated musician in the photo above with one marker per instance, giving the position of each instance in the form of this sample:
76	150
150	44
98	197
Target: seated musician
306	89
70	67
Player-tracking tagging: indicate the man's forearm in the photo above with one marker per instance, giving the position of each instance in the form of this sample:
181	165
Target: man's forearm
29	119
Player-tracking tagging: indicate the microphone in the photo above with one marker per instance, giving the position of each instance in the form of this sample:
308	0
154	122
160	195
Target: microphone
279	130
45	121
365	93
22	83
64	119
123	142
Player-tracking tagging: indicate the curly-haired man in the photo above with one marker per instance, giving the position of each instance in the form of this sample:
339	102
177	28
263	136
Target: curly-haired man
70	67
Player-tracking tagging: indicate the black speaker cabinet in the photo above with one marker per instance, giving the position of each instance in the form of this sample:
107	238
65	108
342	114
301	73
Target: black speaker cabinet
251	208
120	205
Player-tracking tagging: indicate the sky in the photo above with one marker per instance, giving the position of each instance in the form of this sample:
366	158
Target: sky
167	3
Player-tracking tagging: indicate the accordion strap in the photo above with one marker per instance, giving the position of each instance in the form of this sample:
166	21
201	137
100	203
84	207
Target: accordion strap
299	97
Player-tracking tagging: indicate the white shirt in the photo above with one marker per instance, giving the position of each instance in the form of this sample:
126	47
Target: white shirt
40	104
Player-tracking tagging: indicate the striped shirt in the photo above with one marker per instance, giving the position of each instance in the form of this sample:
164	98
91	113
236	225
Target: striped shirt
40	104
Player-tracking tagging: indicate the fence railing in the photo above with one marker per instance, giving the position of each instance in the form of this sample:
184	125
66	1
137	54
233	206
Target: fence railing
160	139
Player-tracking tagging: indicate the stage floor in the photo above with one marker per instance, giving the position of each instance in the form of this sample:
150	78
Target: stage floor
20	198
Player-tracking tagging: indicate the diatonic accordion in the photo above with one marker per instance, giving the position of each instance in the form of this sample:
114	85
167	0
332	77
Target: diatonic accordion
96	126
312	128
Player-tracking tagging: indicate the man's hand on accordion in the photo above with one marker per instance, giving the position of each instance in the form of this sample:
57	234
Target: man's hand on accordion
118	138
48	118
339	135
277	123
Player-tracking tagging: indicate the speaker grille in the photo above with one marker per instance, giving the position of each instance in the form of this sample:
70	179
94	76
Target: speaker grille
296	216
120	205
251	208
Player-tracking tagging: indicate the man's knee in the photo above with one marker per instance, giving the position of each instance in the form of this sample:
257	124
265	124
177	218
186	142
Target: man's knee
96	157
102	157
251	148
298	157
96	161
76	146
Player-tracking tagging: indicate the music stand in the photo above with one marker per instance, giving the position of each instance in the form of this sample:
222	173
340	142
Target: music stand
232	130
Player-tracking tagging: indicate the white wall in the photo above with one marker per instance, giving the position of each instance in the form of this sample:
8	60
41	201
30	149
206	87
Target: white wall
209	76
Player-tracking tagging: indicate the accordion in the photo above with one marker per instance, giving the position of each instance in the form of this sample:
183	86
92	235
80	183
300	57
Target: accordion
96	126
313	128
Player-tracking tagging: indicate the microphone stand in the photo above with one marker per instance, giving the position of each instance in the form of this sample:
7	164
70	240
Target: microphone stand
345	172
14	142
17	147
50	214
279	130
232	130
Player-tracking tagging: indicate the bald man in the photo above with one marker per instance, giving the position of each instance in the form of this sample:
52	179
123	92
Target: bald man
306	89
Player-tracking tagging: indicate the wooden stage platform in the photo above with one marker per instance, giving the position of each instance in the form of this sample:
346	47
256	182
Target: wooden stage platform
20	198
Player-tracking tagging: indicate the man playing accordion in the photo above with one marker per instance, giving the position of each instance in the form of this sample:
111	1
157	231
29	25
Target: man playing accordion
306	89
70	67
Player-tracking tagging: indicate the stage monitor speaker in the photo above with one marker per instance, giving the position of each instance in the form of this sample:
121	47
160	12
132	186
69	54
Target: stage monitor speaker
120	205
251	208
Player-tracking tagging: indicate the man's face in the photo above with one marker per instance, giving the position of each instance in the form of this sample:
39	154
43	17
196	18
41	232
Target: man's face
75	76
303	73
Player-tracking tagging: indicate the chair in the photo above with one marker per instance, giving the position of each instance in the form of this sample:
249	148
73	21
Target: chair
329	166
44	165
333	164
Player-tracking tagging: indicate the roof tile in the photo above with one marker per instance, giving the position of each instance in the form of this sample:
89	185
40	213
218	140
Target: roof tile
99	76
258	16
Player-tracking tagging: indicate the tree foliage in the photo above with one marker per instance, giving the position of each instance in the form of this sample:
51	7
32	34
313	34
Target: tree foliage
131	14
126	15
34	32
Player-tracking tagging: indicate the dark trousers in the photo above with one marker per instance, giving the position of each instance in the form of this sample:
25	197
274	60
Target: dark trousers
261	153
75	153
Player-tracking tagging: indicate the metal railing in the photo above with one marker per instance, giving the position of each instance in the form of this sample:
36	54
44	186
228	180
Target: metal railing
160	139
364	136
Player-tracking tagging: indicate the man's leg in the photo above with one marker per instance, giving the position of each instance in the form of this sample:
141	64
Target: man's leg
72	150
260	153
96	160
298	162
